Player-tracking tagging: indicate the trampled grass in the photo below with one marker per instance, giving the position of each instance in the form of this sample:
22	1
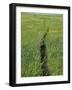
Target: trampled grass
33	26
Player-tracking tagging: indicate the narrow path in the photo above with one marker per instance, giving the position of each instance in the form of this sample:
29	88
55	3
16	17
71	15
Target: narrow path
43	55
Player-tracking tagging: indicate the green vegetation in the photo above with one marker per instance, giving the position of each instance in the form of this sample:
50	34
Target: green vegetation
33	26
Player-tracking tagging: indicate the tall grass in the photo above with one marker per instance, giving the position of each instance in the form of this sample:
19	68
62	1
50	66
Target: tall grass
33	27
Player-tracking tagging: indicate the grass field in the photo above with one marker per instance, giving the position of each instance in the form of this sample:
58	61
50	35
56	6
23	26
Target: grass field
33	27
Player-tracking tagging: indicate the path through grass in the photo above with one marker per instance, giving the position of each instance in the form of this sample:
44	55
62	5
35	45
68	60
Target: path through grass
33	27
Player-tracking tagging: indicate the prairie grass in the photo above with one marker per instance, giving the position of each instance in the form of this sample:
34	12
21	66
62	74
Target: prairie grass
33	27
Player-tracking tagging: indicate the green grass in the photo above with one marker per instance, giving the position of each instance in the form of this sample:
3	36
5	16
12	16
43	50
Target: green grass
33	27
